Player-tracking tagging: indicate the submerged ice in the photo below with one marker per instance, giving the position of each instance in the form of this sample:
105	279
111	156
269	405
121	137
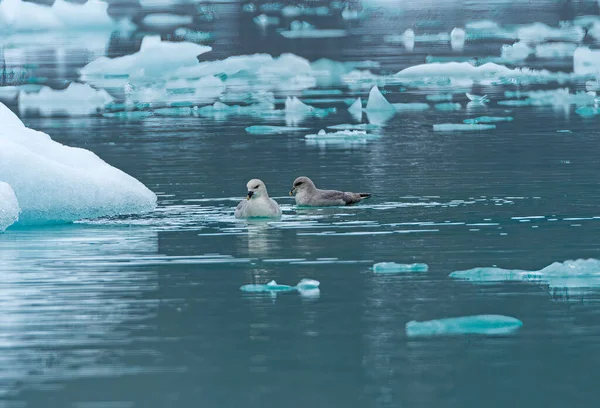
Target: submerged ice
272	286
393	267
9	206
477	324
55	183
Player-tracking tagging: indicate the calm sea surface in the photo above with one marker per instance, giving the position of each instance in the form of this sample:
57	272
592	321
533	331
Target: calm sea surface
146	311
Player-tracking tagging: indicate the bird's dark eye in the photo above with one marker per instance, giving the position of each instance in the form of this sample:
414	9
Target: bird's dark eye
297	184
257	186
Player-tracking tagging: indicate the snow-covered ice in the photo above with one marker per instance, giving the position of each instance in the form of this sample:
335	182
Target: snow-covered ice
76	99
9	206
393	267
55	183
477	324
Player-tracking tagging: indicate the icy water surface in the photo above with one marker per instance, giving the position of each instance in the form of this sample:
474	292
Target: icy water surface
147	311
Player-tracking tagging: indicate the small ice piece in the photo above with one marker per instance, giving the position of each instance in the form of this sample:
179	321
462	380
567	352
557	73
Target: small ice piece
393	267
183	111
519	51
588	111
360	126
489	119
448	106
356	109
457	38
407	39
477	324
308	284
454	127
413	106
264	21
76	99
477	98
272	286
272	130
189	35
311	32
348	135
586	61
57	184
555	50
492	274
378	103
486	29
349	14
590	86
163	21
537	33
9	206
439	97
90	15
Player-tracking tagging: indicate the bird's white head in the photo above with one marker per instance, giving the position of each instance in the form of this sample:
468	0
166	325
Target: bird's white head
302	184
256	189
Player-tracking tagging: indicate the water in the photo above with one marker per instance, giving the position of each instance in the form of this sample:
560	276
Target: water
146	311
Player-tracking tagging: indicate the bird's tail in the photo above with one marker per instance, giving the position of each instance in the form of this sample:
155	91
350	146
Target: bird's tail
365	195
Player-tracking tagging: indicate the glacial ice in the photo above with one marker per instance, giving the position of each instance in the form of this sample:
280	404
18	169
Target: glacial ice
553	97
393	267
555	50
192	92
272	130
221	110
457	38
588	111
453	127
156	58
9	206
537	33
449	106
518	51
272	286
163	21
22	16
56	183
586	61
356	109
489	119
344	135
76	99
477	324
296	110
377	102
580	273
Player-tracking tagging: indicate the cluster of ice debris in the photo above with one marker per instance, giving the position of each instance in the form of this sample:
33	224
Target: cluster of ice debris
45	182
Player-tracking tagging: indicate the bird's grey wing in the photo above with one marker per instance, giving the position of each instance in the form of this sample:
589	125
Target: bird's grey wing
328	197
275	207
353	198
240	209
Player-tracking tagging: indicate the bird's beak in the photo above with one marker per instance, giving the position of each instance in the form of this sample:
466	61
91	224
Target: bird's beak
292	191
250	194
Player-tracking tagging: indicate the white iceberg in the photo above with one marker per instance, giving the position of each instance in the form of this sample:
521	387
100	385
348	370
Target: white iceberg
519	51
9	206
457	38
537	33
155	58
478	324
346	135
586	61
555	50
393	267
56	183
356	110
77	99
377	102
181	91
272	286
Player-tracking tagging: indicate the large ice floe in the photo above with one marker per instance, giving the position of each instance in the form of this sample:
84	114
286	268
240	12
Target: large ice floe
76	99
479	324
22	16
9	206
571	274
54	183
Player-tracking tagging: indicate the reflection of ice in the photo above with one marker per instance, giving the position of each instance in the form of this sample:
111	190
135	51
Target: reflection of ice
50	310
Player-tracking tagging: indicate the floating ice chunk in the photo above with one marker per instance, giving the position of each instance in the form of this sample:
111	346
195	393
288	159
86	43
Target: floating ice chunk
264	21
128	115
489	119
349	14
272	286
221	110
17	15
494	275
294	104
588	111
452	127
9	206
190	35
453	69
362	79
519	51
183	111
90	15
448	106
8	93
392	267
342	135
156	58
356	109
360	126
553	97
477	98
296	110
457	38
407	39
555	50
378	103
586	61
439	98
164	21
412	106
56	183
192	92
76	99
594	30
314	33
273	130
291	11
486	29
478	324
537	33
